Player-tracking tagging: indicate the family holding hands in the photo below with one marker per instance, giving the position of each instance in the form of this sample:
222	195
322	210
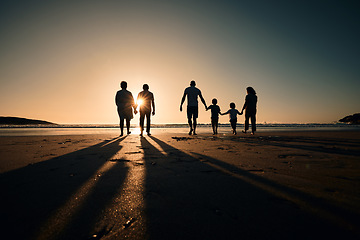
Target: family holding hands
126	106
249	106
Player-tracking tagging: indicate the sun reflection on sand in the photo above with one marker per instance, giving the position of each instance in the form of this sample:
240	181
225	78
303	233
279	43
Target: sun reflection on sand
135	131
124	216
126	211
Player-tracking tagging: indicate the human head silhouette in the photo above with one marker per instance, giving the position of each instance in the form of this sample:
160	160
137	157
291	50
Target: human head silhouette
250	90
214	101
146	87
192	83
232	105
123	85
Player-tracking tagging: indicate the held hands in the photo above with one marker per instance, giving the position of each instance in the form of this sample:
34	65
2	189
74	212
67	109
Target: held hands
135	111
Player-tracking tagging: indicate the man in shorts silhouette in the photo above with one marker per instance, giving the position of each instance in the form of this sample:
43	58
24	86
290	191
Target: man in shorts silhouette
192	94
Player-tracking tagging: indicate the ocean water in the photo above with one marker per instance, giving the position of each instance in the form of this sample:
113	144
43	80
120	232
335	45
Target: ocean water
83	129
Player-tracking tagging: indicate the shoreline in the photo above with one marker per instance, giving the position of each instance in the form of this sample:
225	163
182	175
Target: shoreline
204	129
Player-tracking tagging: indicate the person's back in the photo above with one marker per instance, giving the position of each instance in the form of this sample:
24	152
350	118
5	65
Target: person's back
146	97
125	104
233	112
147	102
215	110
250	109
192	93
251	101
124	99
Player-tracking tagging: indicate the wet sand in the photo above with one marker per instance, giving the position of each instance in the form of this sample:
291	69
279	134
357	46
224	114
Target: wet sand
275	185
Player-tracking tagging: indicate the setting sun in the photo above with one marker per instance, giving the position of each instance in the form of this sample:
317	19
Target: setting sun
139	102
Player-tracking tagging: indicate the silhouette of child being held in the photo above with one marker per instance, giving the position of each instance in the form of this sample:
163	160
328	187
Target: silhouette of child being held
233	112
215	111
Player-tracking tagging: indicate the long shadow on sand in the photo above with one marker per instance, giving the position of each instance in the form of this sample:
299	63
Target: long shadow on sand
32	196
190	199
348	147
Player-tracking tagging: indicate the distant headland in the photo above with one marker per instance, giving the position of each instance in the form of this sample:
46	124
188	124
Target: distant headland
351	119
22	121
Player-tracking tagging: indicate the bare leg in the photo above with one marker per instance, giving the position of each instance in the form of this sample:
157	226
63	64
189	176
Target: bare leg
246	123
214	123
121	127
148	122
233	125
190	125
142	118
128	126
253	124
194	120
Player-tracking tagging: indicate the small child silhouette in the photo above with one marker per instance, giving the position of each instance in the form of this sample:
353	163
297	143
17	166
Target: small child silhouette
233	112
215	111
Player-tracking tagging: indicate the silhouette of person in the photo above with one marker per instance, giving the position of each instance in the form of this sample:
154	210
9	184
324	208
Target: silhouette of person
147	101
250	109
215	111
125	104
233	112
192	94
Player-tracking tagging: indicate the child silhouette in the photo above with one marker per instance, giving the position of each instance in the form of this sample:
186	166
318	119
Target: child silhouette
233	112
215	111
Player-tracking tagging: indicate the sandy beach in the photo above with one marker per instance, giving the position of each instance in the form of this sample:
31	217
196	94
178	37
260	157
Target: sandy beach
274	185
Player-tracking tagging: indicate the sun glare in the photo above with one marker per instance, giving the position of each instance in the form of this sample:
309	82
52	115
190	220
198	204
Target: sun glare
139	102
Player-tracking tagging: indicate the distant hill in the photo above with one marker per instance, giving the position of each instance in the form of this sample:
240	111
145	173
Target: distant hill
22	121
352	119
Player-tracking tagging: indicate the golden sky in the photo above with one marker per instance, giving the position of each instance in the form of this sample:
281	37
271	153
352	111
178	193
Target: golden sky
63	62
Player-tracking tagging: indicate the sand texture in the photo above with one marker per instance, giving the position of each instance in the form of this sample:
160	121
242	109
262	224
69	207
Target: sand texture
284	185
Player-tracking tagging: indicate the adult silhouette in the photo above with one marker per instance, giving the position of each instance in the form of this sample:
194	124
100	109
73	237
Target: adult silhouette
147	102
192	94
250	109
125	104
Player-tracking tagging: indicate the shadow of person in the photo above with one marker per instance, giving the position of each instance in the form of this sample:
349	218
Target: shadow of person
189	199
61	196
315	144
